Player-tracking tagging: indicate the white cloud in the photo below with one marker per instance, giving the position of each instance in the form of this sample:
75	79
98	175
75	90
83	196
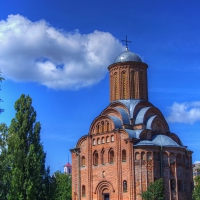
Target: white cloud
38	52
196	162
186	112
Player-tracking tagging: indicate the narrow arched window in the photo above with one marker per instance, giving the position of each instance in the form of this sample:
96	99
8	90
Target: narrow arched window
116	88
124	85
133	85
143	156
149	156
111	156
108	127
137	156
96	157
102	157
98	128
102	140
83	161
98	141
112	138
107	139
83	190
102	127
94	142
124	186
141	84
173	184
123	155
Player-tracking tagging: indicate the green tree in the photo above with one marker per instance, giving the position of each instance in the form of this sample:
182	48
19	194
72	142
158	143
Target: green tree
196	192
62	186
26	154
155	191
4	163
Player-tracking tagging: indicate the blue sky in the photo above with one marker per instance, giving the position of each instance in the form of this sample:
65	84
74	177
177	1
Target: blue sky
58	51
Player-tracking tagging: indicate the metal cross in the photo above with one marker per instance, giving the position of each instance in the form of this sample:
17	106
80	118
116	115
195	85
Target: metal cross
126	41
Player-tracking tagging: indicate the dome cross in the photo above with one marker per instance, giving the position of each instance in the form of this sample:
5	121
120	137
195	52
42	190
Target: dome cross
126	41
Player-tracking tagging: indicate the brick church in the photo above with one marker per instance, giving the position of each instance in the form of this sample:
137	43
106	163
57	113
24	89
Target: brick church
129	145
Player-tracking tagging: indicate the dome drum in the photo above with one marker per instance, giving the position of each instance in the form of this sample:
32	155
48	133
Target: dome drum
128	80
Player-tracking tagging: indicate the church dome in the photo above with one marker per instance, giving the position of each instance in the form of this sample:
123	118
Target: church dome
127	56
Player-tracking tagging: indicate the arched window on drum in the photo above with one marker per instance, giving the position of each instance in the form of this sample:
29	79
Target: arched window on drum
123	155
95	158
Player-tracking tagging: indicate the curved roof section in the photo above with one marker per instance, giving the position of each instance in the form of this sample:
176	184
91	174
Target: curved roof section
140	116
145	143
163	140
116	121
159	140
149	122
124	114
127	56
130	104
133	133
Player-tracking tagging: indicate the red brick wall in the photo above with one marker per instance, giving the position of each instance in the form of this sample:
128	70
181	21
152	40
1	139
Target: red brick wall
142	166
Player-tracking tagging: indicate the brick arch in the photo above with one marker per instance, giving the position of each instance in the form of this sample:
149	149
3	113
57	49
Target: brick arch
81	141
149	155
104	186
112	111
117	105
137	156
159	125
139	106
143	155
100	124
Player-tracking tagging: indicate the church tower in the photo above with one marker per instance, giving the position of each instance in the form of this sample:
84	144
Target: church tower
129	144
68	168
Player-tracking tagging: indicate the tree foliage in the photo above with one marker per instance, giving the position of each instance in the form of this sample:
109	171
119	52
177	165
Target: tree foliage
4	163
155	191
26	153
23	175
196	192
62	186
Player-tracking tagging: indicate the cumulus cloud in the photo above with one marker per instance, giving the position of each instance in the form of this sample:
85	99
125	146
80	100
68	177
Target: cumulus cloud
186	112
197	162
38	52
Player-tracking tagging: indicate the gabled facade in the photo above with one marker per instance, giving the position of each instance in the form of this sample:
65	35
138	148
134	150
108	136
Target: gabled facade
129	144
